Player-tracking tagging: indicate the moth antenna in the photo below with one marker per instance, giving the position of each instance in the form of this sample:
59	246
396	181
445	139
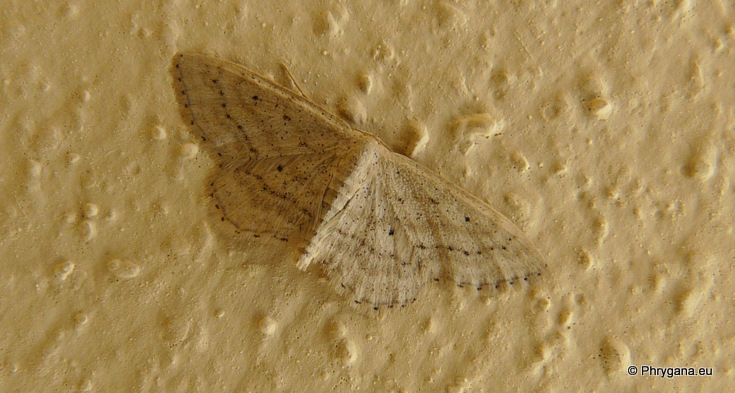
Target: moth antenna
290	75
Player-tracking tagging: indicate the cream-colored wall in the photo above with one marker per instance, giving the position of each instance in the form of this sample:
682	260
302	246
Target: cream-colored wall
606	131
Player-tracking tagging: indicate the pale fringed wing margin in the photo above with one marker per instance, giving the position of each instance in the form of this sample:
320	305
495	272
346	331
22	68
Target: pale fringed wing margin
380	224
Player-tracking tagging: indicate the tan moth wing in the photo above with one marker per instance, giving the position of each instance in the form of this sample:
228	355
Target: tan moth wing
280	157
380	224
405	226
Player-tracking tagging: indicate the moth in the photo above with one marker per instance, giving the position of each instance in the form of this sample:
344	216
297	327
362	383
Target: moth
380	224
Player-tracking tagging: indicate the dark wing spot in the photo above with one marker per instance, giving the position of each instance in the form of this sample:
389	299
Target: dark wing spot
280	168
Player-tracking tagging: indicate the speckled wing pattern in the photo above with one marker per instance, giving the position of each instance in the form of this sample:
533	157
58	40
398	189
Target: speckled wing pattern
379	224
279	157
